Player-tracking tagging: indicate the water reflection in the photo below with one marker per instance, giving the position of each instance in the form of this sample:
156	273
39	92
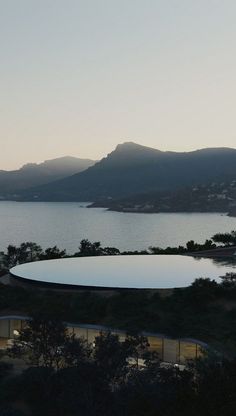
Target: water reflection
223	261
137	272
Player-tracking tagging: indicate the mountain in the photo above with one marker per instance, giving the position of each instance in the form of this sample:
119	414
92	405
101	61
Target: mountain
211	197
134	169
33	174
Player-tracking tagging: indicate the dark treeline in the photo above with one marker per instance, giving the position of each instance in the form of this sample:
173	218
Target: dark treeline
92	380
31	251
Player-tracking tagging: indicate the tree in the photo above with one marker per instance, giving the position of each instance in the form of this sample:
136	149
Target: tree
28	252
45	342
79	391
53	253
137	345
31	387
111	356
87	248
75	351
10	259
228	239
229	280
110	251
41	342
192	246
209	245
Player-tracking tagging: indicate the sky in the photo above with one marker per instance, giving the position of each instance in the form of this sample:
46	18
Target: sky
77	77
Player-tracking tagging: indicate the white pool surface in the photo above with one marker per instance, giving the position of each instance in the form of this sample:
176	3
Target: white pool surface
127	272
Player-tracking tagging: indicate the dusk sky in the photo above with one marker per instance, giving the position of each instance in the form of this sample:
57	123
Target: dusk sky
77	77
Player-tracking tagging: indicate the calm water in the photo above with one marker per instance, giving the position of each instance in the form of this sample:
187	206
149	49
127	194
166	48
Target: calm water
123	271
65	224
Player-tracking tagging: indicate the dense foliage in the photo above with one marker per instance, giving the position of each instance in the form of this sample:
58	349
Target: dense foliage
100	380
67	377
205	310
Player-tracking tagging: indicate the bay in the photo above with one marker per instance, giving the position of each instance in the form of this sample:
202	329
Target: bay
66	223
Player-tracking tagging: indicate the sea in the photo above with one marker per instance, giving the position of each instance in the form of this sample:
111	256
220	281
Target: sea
65	224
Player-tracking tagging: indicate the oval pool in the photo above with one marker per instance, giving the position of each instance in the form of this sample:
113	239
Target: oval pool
123	272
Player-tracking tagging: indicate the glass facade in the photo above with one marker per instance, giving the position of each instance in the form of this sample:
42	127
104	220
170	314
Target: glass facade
4	328
169	350
188	351
9	328
156	344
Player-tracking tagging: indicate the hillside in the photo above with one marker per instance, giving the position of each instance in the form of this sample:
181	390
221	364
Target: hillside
33	174
211	197
133	169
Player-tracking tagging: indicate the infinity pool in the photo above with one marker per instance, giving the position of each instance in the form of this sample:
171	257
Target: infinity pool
127	272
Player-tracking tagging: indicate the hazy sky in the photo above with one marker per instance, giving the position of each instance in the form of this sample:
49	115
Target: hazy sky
80	76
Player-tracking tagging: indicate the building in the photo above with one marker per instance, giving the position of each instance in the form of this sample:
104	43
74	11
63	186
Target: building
170	350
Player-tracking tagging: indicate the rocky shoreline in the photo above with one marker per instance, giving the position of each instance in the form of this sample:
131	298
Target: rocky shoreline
155	210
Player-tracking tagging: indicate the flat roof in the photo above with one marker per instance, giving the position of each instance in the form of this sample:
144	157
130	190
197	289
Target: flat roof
123	272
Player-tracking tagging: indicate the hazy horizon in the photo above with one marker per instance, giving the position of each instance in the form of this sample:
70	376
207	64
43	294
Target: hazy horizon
97	159
79	77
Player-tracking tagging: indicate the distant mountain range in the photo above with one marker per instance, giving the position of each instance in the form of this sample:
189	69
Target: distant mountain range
34	174
135	178
132	169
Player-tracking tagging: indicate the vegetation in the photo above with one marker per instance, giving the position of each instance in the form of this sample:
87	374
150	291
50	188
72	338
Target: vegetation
67	377
30	251
205	310
228	239
99	379
45	342
216	196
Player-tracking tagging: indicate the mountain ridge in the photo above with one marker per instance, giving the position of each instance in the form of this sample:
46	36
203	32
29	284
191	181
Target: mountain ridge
134	169
35	174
